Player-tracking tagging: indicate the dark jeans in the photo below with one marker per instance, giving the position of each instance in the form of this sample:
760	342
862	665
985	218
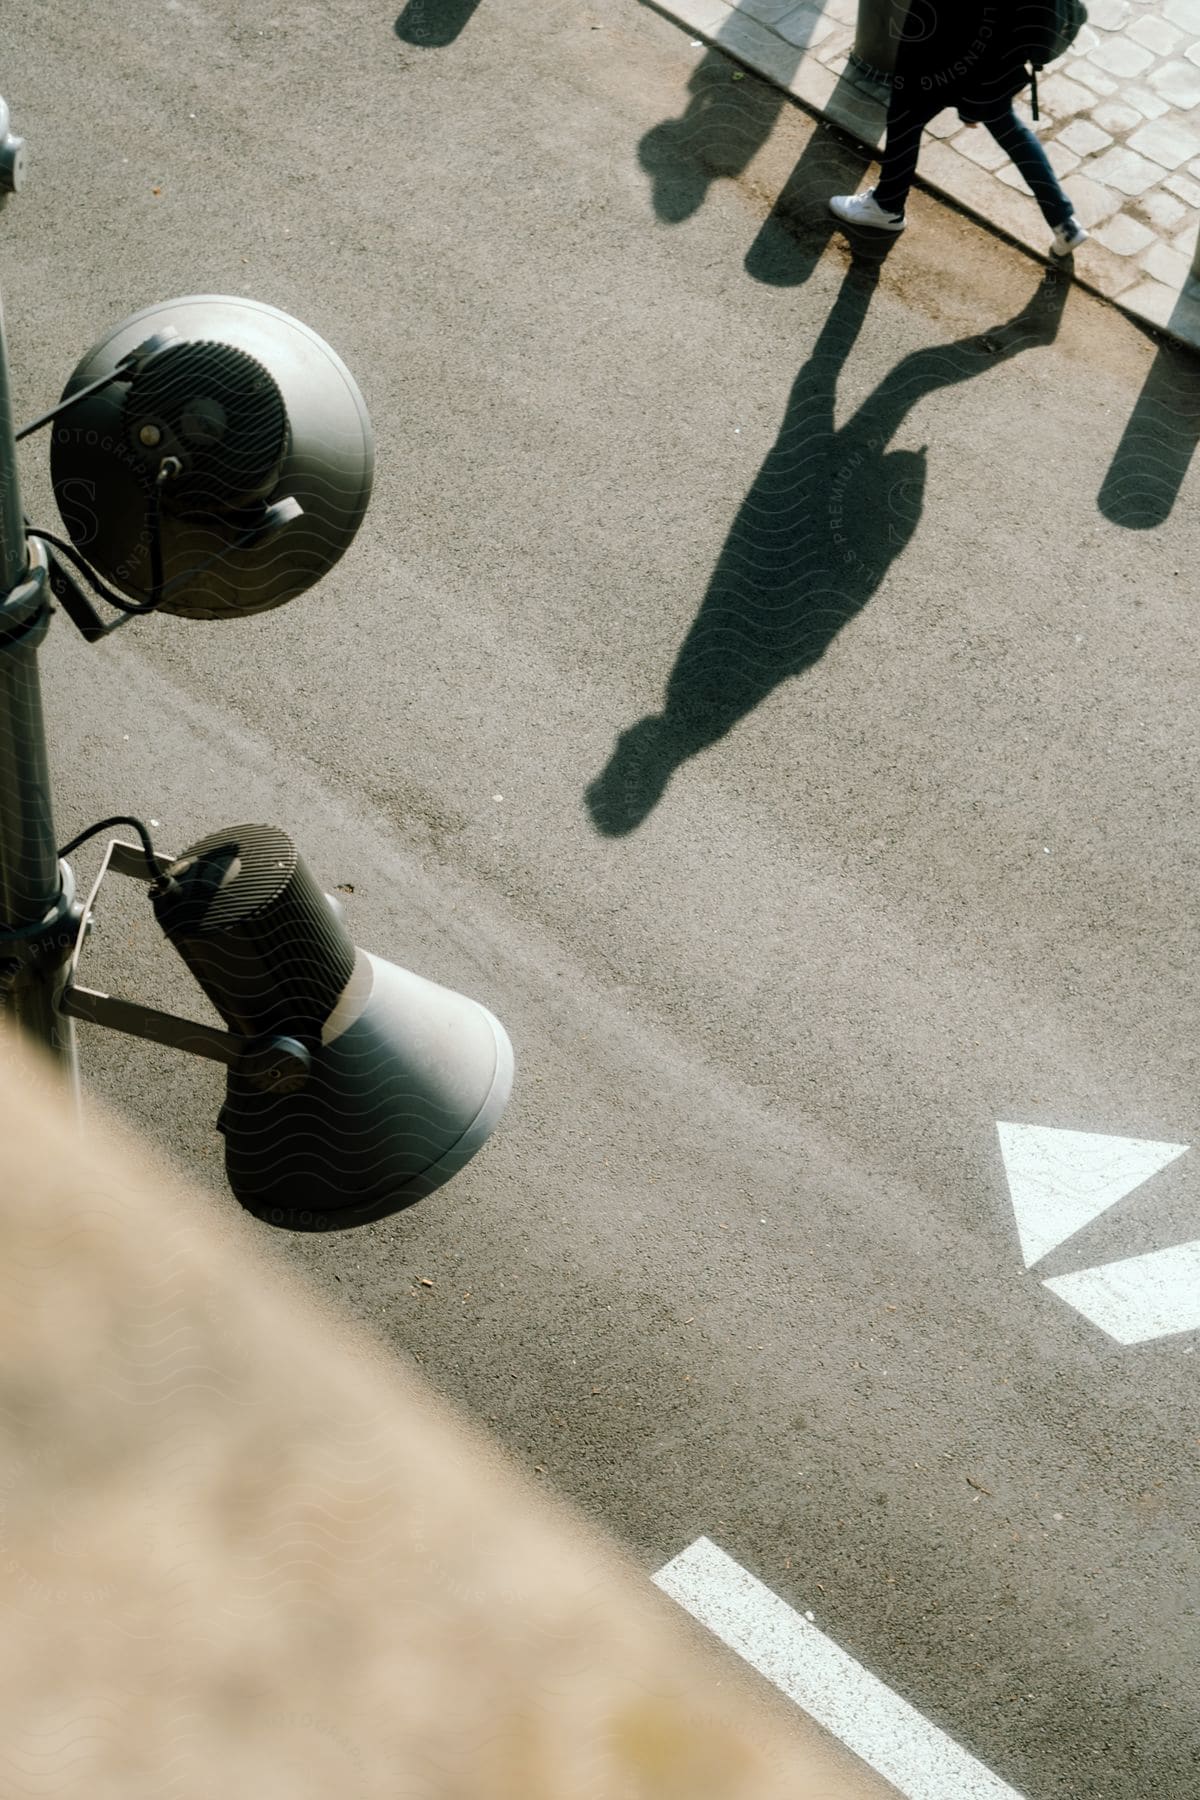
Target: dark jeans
907	119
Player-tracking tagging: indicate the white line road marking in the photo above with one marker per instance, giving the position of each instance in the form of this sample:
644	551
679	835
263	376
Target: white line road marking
1061	1180
1141	1298
877	1725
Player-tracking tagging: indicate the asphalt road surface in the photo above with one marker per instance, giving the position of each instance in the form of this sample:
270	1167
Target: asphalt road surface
765	678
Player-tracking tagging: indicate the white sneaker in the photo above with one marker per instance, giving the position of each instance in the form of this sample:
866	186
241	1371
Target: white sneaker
1068	238
863	209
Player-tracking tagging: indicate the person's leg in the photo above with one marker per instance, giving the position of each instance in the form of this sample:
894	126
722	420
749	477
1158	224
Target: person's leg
1022	147
906	121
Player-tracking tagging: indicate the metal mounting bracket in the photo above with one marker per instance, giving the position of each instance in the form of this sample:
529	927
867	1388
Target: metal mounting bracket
280	1064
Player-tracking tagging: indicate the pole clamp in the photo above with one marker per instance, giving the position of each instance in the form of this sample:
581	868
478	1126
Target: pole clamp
25	611
49	940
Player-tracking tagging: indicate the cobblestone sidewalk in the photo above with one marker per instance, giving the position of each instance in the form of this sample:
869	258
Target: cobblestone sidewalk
1120	119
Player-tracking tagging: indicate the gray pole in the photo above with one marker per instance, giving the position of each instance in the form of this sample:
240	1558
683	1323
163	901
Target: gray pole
38	915
876	36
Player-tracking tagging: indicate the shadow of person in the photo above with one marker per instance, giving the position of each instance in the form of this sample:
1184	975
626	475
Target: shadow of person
1157	446
812	541
432	24
728	120
793	236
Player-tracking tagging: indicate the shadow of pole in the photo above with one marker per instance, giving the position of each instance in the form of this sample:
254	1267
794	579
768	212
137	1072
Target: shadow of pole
828	513
432	24
1157	446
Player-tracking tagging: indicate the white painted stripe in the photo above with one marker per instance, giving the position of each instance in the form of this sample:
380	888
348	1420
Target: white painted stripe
876	1724
1141	1298
1061	1180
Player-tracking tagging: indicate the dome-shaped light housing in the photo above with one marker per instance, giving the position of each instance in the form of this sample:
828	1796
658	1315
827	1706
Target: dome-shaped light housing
238	440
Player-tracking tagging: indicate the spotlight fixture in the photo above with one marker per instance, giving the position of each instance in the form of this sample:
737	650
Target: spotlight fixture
211	457
354	1087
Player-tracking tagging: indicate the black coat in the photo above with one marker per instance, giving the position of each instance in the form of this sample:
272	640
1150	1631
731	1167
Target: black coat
960	51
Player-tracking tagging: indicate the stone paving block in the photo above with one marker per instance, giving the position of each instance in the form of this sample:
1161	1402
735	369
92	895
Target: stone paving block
1120	56
1166	265
1185	241
837	46
767	12
980	146
816	86
1151	106
805	26
1092	78
1084	137
1185	314
945	125
1012	178
1184	188
1151	300
842	12
1126	170
1124	236
1093	202
754	44
1166	141
761	51
703	16
1185	14
1162	211
1060	97
1108	15
1156	35
1061	160
1178	83
1110	115
1111	274
854	111
1193	55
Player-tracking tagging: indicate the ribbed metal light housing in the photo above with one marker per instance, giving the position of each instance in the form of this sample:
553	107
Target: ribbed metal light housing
255	409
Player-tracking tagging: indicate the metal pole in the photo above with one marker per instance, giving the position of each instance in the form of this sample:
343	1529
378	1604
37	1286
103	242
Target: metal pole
880	23
38	914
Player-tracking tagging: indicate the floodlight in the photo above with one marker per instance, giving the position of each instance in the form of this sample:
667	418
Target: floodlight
211	457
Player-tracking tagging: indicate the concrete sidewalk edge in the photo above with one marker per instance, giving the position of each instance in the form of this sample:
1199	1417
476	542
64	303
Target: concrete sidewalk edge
849	104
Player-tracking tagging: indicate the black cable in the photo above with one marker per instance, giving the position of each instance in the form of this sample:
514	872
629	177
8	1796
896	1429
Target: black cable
86	570
93	387
154	528
159	589
121	819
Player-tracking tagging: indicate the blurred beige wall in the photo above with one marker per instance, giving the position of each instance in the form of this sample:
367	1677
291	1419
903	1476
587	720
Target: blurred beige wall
245	1551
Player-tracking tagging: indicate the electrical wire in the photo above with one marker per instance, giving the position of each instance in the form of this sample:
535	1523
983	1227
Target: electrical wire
93	387
156	874
90	575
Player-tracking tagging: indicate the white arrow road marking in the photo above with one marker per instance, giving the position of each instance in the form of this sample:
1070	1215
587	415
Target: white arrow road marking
1061	1180
877	1725
1141	1298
